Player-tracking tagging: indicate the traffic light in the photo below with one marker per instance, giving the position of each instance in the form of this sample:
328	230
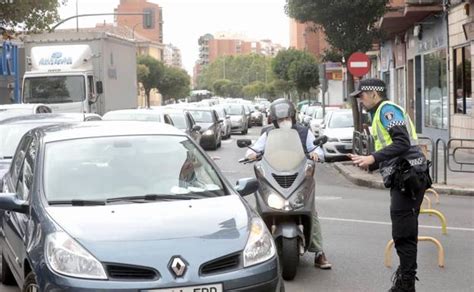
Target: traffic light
148	19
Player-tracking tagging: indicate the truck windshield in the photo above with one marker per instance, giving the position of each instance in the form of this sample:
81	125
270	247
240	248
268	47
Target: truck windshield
54	89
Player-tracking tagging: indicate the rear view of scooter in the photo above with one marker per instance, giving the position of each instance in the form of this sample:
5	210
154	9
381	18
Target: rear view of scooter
285	198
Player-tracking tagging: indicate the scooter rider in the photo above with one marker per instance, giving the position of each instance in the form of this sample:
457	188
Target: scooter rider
283	115
404	169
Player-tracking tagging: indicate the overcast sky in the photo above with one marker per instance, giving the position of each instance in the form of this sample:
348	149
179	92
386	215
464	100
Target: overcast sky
186	20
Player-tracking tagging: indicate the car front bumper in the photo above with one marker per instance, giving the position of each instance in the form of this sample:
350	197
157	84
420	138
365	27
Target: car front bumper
263	277
208	141
337	149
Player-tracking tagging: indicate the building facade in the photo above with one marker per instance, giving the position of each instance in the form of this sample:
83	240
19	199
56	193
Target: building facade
172	56
308	37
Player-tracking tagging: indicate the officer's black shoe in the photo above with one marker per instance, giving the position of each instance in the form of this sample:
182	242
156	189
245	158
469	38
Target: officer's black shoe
403	282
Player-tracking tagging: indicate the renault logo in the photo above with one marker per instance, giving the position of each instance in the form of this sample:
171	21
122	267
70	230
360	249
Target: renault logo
177	266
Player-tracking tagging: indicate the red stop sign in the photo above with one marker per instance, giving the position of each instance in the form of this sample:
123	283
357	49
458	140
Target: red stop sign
358	64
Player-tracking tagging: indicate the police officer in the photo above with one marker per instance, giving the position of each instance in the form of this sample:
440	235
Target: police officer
404	170
283	115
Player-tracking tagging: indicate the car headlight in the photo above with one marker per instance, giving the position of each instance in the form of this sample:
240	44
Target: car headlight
275	201
260	246
208	133
333	140
67	257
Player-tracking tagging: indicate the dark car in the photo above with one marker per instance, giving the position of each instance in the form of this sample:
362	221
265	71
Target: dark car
210	124
128	206
184	121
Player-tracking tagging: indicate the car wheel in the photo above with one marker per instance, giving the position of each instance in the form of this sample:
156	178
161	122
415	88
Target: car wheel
30	284
6	274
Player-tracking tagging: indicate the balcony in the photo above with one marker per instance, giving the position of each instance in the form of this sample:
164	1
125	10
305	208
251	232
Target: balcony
401	17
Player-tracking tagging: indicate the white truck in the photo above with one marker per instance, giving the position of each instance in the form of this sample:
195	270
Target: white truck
86	72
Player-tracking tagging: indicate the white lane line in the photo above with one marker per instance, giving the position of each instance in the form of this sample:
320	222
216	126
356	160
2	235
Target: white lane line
388	223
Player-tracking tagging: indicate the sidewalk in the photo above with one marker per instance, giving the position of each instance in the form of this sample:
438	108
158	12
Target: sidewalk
460	184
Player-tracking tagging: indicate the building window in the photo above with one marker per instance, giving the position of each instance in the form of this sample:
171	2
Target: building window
462	81
435	89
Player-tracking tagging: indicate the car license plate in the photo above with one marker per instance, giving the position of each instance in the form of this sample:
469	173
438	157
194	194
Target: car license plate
204	288
348	147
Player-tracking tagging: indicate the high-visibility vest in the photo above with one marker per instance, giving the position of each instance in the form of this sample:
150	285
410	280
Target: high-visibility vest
381	136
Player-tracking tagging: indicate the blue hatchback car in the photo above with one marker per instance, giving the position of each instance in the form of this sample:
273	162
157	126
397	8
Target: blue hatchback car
128	206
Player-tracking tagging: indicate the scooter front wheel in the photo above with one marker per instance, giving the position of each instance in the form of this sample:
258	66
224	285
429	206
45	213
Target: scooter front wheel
289	257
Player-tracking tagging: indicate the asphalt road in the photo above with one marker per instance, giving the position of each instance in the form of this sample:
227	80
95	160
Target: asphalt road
356	229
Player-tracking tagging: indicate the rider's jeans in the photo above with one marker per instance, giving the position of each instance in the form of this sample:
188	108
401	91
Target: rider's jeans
316	235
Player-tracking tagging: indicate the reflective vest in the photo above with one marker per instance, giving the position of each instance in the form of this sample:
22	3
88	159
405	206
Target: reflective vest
381	136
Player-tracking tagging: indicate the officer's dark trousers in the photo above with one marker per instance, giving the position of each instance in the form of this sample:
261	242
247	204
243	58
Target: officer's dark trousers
404	211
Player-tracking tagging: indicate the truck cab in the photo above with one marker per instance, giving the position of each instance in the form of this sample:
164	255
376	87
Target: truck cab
62	77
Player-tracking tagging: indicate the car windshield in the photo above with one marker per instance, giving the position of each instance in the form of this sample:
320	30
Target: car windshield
202	116
132	116
341	120
54	89
112	167
310	110
221	113
235	109
178	120
11	136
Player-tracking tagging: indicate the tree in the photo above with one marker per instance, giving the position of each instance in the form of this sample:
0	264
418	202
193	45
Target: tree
151	80
220	86
305	76
256	88
342	21
174	83
30	15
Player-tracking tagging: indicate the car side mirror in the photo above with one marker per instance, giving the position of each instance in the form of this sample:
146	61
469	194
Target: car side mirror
98	87
196	128
220	121
246	186
243	143
320	141
10	202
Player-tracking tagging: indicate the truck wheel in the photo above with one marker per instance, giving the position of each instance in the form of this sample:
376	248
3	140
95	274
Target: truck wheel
30	284
6	274
289	258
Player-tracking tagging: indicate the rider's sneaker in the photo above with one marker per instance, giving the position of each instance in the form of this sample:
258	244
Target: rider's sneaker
320	261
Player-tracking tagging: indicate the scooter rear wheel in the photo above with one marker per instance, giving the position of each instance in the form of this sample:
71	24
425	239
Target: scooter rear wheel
289	258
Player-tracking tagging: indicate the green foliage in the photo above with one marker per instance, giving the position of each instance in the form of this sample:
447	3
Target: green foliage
349	24
29	15
171	82
254	89
242	70
220	86
305	76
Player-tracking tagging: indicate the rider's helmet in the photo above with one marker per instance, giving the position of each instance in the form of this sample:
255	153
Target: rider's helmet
280	109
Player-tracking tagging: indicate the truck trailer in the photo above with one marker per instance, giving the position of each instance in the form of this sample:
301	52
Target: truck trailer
86	72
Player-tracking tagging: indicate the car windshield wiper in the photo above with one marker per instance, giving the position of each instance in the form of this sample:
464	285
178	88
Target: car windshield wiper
78	202
153	197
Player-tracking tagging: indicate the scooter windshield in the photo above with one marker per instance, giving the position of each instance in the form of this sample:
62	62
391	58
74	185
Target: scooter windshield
283	150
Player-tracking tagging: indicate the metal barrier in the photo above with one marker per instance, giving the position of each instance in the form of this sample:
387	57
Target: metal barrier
388	249
439	215
445	158
454	155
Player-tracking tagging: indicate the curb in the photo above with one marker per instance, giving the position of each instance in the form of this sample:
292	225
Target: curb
370	181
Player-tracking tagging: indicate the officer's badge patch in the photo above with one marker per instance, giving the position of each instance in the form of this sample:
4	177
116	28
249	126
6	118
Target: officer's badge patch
389	115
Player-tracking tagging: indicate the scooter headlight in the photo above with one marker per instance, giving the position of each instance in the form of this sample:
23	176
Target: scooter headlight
275	201
260	246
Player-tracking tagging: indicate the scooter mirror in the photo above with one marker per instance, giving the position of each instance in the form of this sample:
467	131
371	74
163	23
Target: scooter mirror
246	186
320	140
243	143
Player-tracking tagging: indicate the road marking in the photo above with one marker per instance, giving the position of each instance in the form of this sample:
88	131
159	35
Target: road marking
388	223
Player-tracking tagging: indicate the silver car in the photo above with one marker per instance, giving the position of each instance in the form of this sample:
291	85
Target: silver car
226	122
339	128
238	117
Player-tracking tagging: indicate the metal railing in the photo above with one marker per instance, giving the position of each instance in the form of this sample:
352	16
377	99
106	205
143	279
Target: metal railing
449	157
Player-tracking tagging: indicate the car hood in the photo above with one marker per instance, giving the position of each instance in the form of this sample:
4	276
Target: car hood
236	118
340	133
213	226
205	126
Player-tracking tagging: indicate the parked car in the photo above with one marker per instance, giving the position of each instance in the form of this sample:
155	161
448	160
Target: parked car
238	118
256	117
227	124
142	115
210	124
301	112
248	113
12	129
308	113
317	118
13	110
184	121
129	205
338	127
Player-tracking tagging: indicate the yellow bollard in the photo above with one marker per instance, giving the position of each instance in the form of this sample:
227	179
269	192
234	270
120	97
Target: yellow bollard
428	200
388	251
440	216
435	193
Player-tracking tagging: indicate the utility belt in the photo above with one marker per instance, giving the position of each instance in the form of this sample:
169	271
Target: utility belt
408	173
